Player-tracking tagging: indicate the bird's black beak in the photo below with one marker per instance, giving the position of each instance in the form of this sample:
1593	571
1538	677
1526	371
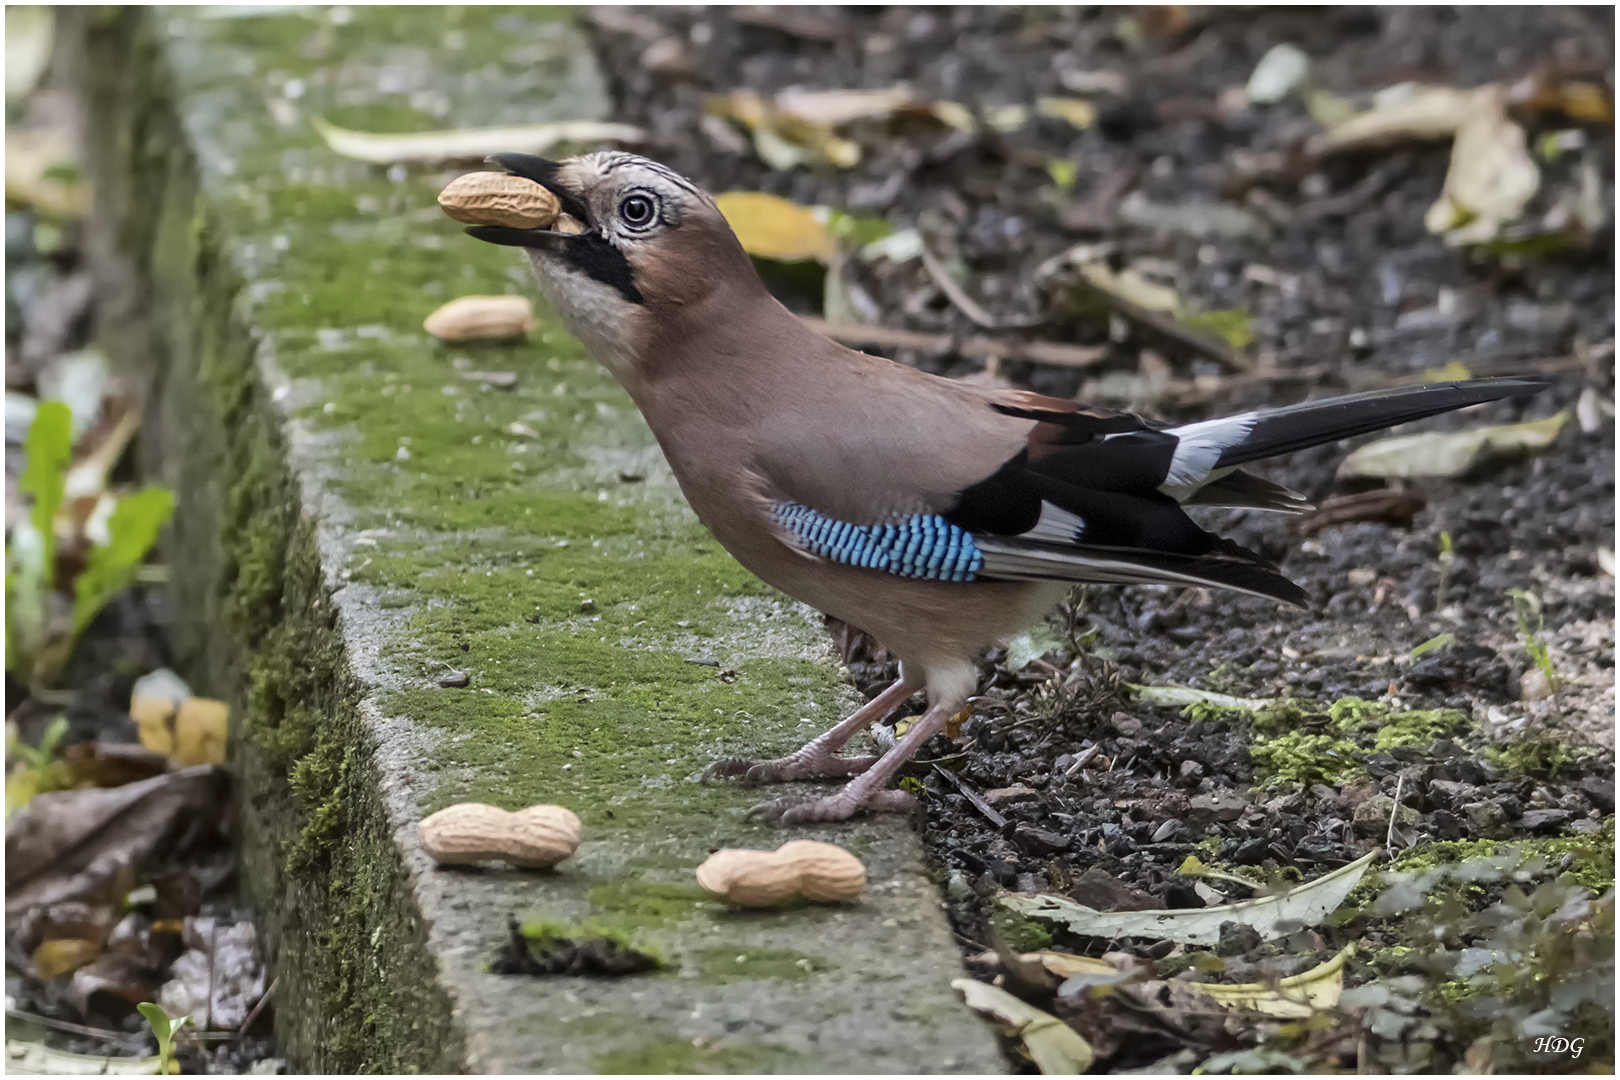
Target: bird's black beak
523	238
544	173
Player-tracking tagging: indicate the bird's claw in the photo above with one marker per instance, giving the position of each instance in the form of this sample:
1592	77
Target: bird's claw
839	807
727	767
784	770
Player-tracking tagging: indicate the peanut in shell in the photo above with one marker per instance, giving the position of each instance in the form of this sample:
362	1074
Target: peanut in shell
491	198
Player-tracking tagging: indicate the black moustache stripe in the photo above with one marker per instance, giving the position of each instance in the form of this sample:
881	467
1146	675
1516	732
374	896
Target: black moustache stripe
590	254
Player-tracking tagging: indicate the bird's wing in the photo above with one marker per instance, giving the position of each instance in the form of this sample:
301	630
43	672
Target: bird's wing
974	484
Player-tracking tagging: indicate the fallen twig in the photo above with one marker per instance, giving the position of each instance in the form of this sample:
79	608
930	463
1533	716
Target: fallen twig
979	348
965	303
123	1037
973	797
1384	504
1083	760
264	999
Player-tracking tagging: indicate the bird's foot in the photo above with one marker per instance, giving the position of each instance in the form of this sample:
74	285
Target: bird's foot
810	763
840	807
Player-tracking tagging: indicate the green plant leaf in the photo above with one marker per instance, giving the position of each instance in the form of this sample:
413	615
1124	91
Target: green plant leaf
160	1024
132	529
1232	327
50	451
163	1029
1439	641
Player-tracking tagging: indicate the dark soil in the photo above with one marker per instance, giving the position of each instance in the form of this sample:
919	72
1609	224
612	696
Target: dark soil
1368	297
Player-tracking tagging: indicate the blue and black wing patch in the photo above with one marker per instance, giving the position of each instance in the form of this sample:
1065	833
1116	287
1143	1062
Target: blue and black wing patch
920	546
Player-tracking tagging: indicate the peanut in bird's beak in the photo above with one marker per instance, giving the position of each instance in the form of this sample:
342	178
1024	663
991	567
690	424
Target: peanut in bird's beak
526	207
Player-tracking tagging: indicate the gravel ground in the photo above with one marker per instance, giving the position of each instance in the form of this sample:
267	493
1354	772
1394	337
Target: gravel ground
1091	793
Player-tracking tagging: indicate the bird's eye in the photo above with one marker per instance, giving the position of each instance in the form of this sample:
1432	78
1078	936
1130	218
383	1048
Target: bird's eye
636	211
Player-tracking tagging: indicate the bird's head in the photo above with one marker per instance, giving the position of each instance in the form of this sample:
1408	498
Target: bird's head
653	243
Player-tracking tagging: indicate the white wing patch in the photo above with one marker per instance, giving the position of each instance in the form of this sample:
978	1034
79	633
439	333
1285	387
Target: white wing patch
1199	447
1056	526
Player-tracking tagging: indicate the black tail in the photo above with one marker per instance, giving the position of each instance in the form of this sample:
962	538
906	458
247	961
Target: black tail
1312	423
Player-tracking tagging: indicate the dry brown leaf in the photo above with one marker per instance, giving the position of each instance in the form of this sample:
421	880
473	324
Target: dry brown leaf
1401	114
1492	175
1450	453
469	144
834	108
1271	916
87	844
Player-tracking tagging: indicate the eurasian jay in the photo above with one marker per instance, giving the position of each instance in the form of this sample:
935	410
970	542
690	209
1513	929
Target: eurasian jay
938	516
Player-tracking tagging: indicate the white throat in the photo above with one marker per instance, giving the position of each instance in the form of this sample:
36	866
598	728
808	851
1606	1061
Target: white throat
595	313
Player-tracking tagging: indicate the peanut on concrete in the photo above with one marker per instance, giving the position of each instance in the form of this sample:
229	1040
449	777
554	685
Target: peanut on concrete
472	318
821	872
535	837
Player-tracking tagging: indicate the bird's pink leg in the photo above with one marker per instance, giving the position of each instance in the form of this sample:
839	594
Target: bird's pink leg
867	791
817	757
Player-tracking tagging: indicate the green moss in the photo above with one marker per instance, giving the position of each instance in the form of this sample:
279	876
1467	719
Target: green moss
630	901
731	963
683	1057
1348	714
1539	755
1024	935
1391	728
1281	716
1419	727
1210	713
1302	758
1592	855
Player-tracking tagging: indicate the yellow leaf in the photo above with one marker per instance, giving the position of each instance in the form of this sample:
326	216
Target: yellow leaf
1455	371
953	114
774	228
1232	327
1007	118
1055	1047
152	717
200	732
1586	101
1131	286
1298	996
1077	112
59	957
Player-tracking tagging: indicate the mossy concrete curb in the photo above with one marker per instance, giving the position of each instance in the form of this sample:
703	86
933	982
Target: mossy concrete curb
360	514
